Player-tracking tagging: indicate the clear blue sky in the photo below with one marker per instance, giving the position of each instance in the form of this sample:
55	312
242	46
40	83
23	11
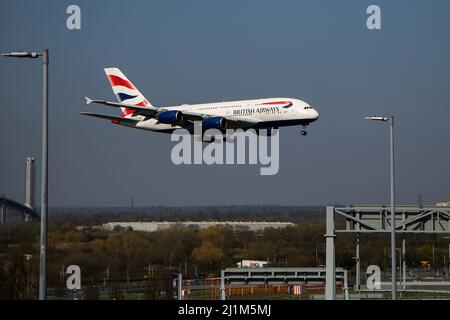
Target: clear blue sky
199	51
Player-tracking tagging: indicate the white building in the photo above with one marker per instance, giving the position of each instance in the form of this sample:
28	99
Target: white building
164	225
443	204
251	264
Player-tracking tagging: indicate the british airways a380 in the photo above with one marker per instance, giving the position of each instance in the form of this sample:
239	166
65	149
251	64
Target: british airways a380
139	113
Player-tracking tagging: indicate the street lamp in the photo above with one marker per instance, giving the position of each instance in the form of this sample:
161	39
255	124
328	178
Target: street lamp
390	120
44	191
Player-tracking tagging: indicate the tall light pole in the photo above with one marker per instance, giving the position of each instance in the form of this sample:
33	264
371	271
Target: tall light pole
44	187
390	120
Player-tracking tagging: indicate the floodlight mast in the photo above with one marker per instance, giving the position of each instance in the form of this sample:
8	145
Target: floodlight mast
390	119
44	186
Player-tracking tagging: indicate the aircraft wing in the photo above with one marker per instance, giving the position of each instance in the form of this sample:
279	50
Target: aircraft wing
189	116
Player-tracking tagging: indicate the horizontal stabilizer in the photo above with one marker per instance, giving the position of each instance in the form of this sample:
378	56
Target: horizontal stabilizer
113	119
148	111
88	100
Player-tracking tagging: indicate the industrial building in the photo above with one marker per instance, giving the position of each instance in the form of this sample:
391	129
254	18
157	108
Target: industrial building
30	184
443	204
164	225
9	207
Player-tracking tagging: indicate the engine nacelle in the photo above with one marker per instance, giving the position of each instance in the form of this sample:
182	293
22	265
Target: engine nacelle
170	117
214	123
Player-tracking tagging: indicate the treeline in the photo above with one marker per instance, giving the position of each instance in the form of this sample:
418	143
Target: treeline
125	255
93	216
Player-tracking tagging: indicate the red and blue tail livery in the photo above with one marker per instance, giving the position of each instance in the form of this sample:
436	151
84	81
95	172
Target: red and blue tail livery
125	91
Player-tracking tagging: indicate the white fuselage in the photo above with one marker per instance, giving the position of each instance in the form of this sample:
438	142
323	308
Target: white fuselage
266	113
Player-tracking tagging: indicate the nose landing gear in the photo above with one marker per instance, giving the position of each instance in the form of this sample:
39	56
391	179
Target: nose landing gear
303	131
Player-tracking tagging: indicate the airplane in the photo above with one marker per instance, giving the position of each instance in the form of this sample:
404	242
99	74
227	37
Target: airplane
139	113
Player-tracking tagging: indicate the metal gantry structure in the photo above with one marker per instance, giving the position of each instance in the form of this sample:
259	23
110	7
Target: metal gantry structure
279	276
378	219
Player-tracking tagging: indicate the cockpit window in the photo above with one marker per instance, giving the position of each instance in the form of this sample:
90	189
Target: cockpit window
308	107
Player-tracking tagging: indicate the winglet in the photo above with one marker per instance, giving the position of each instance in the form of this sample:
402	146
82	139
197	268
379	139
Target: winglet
88	100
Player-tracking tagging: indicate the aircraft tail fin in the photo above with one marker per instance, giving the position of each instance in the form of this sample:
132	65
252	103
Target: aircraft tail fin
125	91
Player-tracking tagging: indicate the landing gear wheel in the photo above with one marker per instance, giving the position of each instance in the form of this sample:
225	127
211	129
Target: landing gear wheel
303	133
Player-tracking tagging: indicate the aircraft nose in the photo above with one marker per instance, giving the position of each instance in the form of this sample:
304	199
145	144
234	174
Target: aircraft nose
314	114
